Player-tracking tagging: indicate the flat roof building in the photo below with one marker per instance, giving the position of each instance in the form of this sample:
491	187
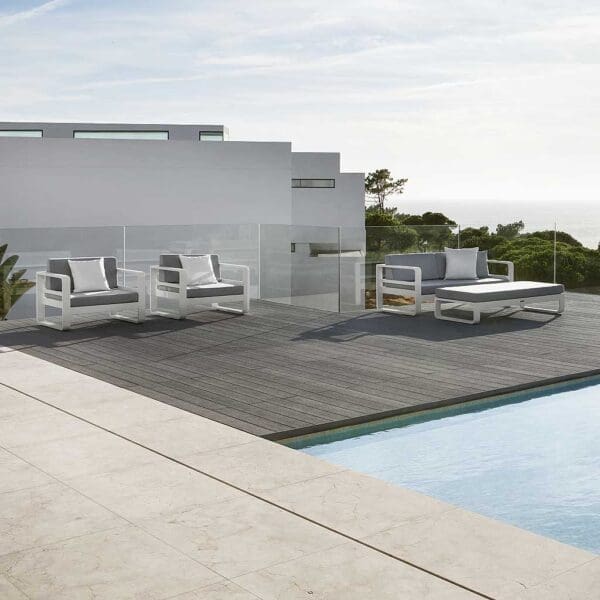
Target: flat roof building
83	174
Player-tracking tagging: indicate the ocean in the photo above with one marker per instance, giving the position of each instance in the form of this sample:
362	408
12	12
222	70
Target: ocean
580	219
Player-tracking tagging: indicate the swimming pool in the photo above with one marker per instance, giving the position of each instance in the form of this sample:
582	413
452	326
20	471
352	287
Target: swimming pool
531	459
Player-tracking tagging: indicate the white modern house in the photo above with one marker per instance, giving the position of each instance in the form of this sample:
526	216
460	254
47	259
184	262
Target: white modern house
167	187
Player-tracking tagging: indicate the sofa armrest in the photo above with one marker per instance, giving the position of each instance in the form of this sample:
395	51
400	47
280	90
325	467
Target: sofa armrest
510	267
416	270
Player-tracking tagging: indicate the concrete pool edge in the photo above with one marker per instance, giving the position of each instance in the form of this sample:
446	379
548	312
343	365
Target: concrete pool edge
358	507
290	435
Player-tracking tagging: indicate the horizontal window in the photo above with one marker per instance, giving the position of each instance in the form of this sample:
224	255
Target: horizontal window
121	135
313	183
211	136
37	133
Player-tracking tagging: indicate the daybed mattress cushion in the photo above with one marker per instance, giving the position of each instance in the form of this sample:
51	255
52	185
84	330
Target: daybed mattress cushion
430	286
509	290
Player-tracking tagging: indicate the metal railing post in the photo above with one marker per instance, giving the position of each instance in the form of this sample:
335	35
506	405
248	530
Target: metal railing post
555	254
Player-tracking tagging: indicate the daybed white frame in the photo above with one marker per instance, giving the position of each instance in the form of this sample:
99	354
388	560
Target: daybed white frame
412	289
67	311
177	292
497	305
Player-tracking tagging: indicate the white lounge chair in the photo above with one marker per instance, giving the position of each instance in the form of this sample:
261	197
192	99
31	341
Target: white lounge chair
169	283
54	288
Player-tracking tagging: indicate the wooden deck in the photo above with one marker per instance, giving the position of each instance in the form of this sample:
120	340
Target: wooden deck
285	370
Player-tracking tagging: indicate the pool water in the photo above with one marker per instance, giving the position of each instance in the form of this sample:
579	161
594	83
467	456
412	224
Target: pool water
530	459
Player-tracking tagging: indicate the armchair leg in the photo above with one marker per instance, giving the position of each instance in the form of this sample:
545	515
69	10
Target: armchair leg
228	309
417	305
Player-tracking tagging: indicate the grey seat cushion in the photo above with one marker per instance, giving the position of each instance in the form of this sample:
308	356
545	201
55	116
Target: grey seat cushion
430	286
219	289
173	261
117	296
60	266
433	265
508	290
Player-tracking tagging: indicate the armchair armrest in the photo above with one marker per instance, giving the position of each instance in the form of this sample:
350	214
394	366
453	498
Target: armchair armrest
510	267
65	287
65	279
180	285
140	277
245	281
416	270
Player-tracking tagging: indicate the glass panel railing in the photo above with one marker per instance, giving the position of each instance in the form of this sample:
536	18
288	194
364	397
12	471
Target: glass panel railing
327	268
236	244
299	265
34	246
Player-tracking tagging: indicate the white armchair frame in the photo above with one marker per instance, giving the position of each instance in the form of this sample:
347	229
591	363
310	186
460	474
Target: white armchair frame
412	289
177	293
67	311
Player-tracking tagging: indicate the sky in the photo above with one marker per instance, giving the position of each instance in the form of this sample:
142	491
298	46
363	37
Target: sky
474	101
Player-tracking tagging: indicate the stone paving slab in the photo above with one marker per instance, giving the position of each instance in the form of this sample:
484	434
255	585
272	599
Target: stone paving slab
112	514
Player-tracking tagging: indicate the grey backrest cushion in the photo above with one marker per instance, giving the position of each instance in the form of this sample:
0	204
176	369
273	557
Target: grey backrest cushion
172	260
482	266
425	260
60	266
433	265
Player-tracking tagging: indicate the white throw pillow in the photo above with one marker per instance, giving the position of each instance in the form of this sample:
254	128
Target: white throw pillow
88	275
199	269
461	264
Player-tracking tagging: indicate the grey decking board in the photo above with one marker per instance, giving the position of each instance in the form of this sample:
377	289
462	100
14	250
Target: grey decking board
284	368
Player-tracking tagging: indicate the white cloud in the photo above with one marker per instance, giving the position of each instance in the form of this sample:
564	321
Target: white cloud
31	13
470	98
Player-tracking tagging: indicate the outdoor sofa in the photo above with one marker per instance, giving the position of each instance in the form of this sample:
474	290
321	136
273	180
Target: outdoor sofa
418	275
88	285
201	283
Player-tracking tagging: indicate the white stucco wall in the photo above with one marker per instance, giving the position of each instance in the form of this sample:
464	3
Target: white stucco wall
67	182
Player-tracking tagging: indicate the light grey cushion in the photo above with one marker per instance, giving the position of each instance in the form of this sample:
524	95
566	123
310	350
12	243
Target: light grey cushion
425	260
461	263
88	275
61	267
217	289
508	290
482	266
199	269
173	261
114	296
431	285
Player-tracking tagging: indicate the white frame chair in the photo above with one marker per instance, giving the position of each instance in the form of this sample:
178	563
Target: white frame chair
177	293
67	311
412	289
